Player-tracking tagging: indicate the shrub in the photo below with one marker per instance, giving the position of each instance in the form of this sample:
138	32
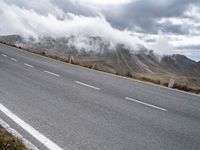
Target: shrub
129	74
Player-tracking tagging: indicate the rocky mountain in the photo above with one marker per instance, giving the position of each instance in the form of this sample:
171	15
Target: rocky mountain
116	58
13	39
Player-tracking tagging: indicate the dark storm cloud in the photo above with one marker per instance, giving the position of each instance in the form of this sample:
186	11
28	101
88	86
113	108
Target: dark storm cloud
137	15
145	14
174	29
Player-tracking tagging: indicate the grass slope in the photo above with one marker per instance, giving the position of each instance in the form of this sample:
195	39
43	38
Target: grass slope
8	142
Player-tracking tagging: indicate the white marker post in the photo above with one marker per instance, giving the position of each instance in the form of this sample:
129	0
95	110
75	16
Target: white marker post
71	59
93	66
171	83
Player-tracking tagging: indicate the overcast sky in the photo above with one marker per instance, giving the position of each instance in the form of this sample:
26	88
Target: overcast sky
166	26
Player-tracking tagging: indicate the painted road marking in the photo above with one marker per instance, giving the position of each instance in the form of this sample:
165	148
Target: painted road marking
87	85
13	59
28	65
54	74
146	104
4	55
36	134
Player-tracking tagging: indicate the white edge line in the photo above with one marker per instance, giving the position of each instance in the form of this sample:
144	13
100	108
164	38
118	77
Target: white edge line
13	59
87	85
57	75
16	134
4	55
40	137
146	104
28	65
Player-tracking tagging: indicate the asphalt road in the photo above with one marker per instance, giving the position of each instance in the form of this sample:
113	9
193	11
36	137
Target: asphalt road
81	109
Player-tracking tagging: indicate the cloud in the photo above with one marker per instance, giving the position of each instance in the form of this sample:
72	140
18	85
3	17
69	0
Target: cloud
103	2
144	14
152	23
28	22
194	47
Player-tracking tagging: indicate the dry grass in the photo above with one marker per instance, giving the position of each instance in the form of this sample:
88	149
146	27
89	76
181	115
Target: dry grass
187	88
147	79
108	70
8	142
165	83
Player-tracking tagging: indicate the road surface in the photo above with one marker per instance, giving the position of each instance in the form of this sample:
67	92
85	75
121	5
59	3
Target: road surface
62	106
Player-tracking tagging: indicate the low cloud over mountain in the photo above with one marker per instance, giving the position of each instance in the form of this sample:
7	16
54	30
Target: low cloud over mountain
168	27
115	58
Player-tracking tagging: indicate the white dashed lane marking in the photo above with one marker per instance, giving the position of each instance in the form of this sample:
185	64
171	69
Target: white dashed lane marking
87	85
4	55
146	104
28	65
13	59
51	73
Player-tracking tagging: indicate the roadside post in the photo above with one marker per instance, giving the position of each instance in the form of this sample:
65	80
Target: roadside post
171	83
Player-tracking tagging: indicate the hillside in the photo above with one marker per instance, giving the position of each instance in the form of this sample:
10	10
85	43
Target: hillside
117	58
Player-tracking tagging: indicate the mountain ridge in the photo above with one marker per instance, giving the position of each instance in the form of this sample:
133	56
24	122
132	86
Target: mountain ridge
117	58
